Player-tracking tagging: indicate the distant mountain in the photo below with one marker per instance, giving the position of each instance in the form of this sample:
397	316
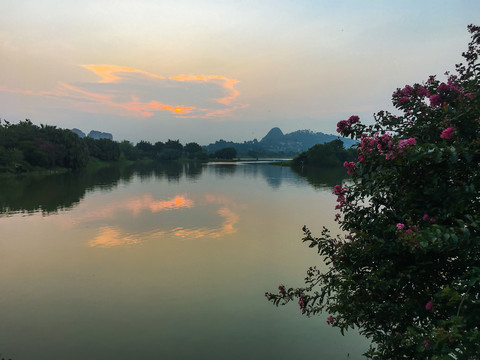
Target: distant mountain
273	136
94	134
100	135
80	133
276	143
298	141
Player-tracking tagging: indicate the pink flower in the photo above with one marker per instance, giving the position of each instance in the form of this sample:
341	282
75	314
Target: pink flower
342	126
444	87
345	125
330	320
407	90
339	190
353	119
350	166
406	142
429	306
422	92
435	100
301	303
448	133
400	226
403	100
425	343
425	217
282	290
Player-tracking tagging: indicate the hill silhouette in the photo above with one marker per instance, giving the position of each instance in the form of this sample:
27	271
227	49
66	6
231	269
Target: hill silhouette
277	144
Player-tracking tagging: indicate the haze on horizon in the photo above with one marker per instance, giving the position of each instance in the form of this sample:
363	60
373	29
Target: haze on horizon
204	70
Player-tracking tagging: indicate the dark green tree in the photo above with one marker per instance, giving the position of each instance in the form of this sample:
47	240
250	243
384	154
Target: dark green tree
173	150
128	150
145	149
25	146
406	271
158	147
227	153
193	150
103	149
328	154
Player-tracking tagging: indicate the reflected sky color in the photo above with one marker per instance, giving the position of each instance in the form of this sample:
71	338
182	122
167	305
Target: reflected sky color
110	236
227	227
147	202
115	235
133	205
162	268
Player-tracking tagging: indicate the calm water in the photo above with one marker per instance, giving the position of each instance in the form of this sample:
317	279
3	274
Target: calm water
164	263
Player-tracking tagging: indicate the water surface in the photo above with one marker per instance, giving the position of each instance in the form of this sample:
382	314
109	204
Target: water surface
168	262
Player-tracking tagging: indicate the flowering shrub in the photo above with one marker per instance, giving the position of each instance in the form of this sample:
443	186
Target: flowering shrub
406	272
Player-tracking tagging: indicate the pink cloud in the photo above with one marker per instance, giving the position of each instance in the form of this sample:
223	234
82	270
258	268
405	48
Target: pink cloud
125	91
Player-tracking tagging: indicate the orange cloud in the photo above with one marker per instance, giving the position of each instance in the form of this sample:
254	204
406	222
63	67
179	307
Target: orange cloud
227	84
107	72
126	91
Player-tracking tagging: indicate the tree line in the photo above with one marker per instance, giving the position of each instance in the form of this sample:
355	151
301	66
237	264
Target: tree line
329	154
25	147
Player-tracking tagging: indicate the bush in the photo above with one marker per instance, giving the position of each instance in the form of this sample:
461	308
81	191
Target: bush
406	271
328	154
227	153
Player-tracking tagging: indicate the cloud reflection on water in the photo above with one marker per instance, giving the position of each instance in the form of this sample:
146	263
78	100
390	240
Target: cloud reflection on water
227	227
116	235
113	236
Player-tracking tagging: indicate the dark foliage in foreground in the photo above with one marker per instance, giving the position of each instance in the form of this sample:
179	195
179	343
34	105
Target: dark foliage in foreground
406	272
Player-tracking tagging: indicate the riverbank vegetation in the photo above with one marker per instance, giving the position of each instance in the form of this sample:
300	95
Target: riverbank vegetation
406	269
26	148
329	154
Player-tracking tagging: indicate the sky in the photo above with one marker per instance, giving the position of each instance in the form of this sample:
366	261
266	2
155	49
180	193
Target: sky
200	71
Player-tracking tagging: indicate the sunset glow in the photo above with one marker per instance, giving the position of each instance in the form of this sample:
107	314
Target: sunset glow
238	68
110	73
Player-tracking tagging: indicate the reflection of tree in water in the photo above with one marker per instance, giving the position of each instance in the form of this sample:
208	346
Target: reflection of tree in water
193	170
275	175
50	193
322	177
223	170
170	171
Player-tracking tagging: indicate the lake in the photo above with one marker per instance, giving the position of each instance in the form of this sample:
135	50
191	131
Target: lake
165	262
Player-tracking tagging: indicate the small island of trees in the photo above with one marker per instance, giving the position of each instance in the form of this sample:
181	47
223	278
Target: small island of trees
329	154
